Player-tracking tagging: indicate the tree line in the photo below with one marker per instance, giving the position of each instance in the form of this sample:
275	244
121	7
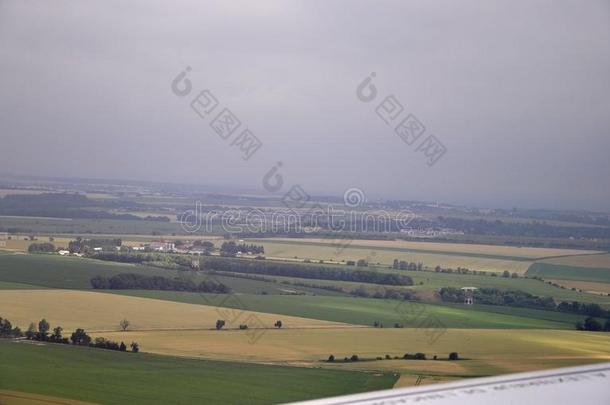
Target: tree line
516	298
230	249
453	356
494	296
79	337
131	281
304	271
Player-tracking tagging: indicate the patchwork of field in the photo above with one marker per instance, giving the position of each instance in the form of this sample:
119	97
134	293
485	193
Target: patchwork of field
95	311
485	351
9	397
363	311
449	248
587	286
103	376
45	270
561	272
386	256
21	243
597	261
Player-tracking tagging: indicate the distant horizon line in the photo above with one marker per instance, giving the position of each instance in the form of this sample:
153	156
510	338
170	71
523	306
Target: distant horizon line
237	191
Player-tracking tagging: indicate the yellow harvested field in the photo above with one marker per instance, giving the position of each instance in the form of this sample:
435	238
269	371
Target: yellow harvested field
593	287
8	397
385	257
601	261
486	352
510	251
96	311
18	243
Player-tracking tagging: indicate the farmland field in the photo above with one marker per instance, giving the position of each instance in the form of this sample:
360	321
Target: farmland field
561	272
144	378
594	287
598	261
44	270
361	311
445	248
100	311
386	255
486	351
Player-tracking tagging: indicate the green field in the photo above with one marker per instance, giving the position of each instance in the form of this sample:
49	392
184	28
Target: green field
365	311
109	377
44	270
562	272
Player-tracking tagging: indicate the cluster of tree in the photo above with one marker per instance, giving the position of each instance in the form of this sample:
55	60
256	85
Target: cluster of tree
160	218
354	357
385	293
45	247
453	356
494	296
207	246
359	263
305	271
7	329
404	265
593	325
79	337
589	309
465	270
131	281
378	324
85	246
230	249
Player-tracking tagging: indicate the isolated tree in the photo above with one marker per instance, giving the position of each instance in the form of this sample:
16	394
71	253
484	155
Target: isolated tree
453	356
5	327
354	357
278	324
123	347
331	358
124	324
43	329
56	336
135	347
219	324
506	274
31	332
80	337
592	324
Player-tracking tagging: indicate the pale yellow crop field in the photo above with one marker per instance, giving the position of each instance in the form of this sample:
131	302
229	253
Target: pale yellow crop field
95	311
509	251
601	261
18	243
593	287
384	257
9	397
486	352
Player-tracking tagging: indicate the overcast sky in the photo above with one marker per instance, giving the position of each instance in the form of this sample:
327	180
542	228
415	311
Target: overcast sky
518	93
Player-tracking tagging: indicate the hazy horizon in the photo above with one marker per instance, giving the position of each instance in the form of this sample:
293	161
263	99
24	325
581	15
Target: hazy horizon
518	94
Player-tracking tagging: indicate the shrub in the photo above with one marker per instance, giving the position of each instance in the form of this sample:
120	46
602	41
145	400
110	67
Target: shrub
452	356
